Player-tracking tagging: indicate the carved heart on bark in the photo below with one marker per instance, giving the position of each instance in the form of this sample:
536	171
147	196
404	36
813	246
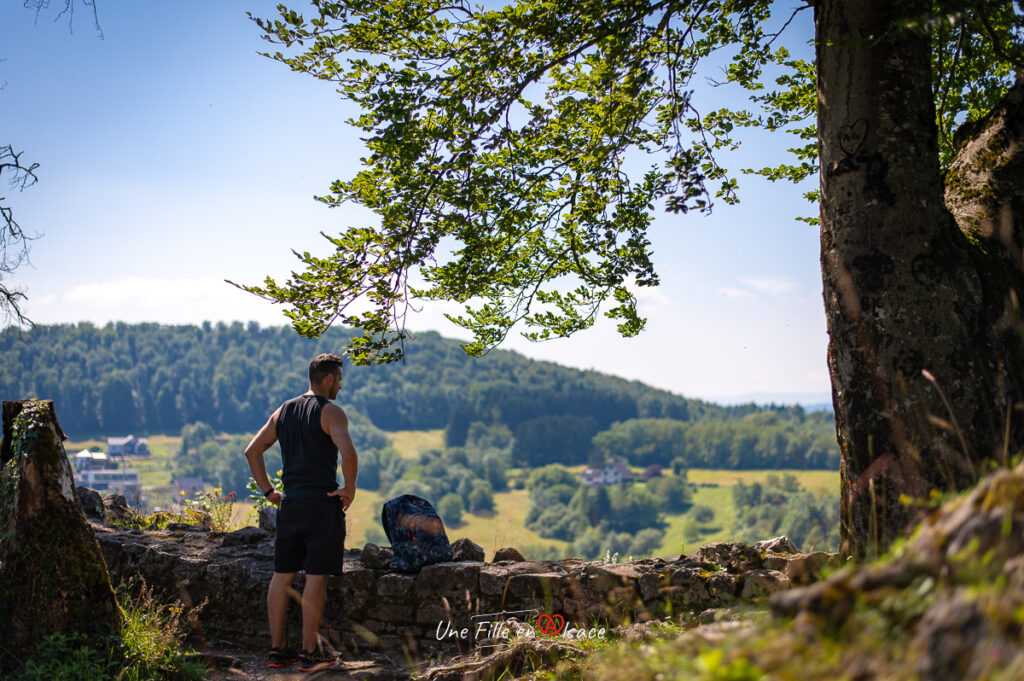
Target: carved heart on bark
851	137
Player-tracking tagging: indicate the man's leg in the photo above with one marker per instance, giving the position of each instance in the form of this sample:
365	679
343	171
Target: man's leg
277	602
313	596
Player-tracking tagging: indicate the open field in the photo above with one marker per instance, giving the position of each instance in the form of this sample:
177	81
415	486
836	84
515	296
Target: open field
720	500
819	482
411	443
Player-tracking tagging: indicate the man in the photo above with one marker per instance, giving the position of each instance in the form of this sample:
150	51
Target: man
311	514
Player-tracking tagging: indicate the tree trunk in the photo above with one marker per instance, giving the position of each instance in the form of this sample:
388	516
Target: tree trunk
52	575
925	366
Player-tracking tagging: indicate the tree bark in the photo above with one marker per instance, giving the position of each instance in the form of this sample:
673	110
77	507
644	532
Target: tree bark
926	366
52	575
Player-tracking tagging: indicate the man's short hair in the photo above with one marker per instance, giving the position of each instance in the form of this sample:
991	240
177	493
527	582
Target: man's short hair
323	366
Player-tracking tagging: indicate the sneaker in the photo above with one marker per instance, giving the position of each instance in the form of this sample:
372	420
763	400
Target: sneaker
315	661
279	657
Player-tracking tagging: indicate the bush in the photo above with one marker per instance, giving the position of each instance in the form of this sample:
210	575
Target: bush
481	498
646	542
450	509
702	514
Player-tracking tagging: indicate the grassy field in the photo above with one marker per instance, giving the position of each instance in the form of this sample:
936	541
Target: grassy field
719	498
411	443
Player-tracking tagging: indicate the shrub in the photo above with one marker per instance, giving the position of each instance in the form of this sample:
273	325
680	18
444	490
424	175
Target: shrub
450	509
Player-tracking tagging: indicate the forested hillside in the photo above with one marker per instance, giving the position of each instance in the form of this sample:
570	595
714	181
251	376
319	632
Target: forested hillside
149	378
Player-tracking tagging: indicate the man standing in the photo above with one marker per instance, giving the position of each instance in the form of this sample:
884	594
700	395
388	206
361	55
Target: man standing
311	515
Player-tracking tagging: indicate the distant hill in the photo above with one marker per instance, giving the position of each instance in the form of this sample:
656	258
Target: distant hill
146	378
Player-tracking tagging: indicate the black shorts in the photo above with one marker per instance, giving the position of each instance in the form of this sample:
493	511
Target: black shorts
310	536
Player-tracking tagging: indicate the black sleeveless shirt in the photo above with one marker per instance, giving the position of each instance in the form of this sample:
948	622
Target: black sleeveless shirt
309	457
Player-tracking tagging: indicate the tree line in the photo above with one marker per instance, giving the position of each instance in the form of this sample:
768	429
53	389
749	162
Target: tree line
151	378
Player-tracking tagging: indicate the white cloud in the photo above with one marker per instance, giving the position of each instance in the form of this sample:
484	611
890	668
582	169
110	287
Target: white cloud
775	286
733	292
153	299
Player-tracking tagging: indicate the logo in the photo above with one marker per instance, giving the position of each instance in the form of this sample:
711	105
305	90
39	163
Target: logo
495	628
551	625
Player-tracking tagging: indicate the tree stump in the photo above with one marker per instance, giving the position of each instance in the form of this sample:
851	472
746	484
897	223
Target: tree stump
52	575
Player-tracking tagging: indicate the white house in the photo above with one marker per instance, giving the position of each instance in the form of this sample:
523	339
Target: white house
131	445
86	460
612	474
110	480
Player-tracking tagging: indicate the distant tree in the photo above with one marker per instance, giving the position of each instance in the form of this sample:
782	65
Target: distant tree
118	411
414	487
746	495
481	498
460	419
551	475
646	542
674	493
450	509
702	513
564	438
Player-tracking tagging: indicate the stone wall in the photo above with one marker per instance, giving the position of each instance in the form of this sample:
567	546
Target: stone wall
369	607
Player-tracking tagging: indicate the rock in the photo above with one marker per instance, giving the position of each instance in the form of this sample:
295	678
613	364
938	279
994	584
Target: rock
114	499
508	553
712	615
731	557
268	519
758	583
53	576
781	544
464	549
375	557
92	502
186	527
247	536
637	632
116	508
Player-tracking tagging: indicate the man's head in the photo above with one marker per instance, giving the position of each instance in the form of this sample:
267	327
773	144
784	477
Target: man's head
325	374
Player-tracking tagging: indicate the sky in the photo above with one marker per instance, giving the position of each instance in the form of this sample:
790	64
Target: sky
172	156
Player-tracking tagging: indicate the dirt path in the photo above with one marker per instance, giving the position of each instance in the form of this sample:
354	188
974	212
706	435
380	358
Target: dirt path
240	664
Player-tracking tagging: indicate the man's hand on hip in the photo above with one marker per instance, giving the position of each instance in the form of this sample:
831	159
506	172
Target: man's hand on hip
347	494
275	497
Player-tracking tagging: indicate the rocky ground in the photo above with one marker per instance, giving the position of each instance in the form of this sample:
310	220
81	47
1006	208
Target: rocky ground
231	663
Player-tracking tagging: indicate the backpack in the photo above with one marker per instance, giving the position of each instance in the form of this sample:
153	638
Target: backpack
416	533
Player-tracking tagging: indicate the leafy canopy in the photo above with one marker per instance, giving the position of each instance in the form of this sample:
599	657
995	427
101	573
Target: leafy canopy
516	155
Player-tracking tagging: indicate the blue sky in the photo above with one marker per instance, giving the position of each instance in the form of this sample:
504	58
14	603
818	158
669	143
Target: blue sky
172	156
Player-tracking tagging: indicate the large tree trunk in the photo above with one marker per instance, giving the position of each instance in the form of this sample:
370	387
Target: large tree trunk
925	367
52	575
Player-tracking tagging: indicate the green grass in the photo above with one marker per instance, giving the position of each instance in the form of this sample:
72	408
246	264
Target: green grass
819	482
720	499
411	443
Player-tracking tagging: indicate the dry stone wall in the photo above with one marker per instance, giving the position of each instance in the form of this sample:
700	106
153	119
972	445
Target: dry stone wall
443	607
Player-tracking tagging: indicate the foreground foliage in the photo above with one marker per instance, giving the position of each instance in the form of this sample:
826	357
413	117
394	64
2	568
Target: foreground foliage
946	604
149	647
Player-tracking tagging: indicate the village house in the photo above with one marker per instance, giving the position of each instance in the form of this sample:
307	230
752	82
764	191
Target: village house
127	446
612	474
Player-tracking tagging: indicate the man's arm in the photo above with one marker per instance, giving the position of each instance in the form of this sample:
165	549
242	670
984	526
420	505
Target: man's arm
335	424
254	455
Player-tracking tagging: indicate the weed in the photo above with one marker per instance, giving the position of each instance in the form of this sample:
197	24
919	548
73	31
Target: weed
149	647
214	507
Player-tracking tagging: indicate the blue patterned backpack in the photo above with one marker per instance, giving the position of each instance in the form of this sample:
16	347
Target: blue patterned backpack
416	533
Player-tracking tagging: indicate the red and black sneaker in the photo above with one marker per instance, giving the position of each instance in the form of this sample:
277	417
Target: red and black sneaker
317	660
279	657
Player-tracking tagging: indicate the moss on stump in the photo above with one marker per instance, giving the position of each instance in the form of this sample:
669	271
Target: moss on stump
52	575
